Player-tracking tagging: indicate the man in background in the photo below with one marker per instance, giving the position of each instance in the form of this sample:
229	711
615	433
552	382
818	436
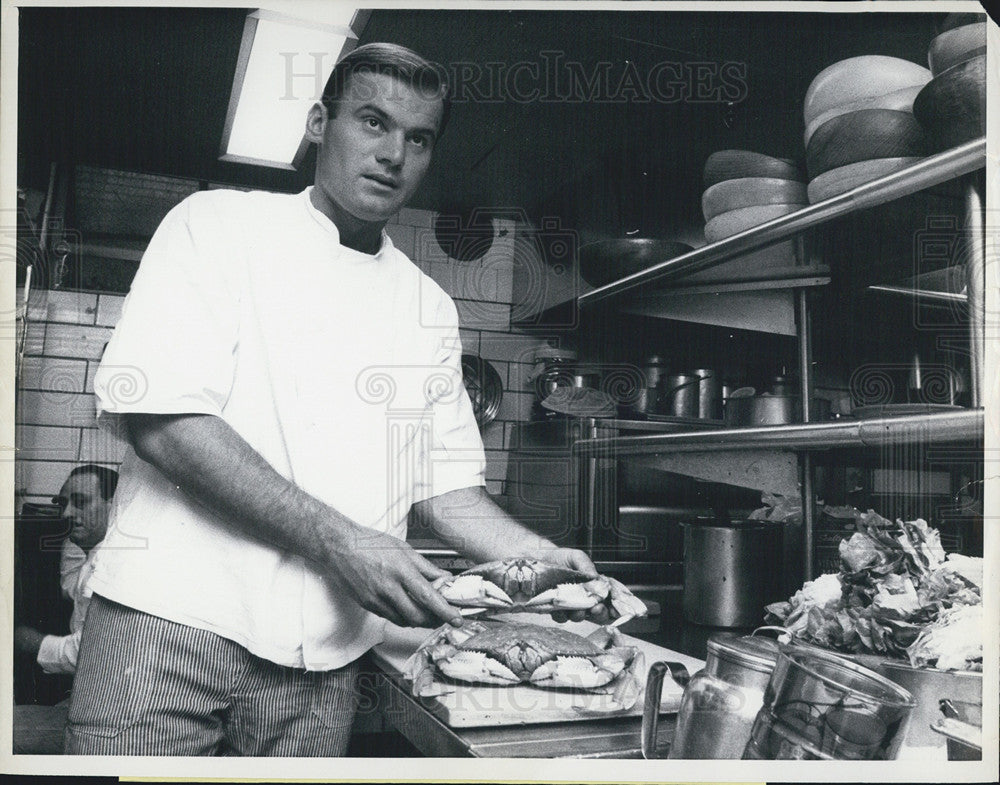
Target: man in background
84	506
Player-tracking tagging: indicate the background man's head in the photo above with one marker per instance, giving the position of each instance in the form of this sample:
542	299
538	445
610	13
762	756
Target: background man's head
85	503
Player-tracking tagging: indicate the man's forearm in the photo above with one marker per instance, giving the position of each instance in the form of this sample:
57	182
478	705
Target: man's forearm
209	461
477	527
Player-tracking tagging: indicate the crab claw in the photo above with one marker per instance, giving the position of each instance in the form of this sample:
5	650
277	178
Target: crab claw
475	666
628	686
579	672
571	596
625	604
472	590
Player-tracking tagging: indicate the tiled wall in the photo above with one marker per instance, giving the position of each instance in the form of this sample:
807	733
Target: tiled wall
67	331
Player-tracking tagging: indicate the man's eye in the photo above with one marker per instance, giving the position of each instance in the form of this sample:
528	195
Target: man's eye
373	122
420	141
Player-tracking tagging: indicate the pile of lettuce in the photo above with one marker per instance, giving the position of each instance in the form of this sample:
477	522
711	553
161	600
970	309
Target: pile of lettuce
897	595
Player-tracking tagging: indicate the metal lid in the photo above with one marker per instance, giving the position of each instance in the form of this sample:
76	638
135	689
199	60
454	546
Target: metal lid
752	651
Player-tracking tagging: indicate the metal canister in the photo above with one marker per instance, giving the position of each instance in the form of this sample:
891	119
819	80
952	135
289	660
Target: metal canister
821	706
731	571
721	701
709	394
653	372
680	395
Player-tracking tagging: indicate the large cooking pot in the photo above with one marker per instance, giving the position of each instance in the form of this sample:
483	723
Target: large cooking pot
732	569
769	409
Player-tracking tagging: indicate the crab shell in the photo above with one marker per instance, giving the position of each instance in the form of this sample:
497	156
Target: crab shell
524	584
508	654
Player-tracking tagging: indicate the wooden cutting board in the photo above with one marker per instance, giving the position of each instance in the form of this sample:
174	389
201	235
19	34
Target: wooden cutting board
472	706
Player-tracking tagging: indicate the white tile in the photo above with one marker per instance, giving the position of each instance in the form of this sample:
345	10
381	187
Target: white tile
493	435
42	478
473	314
51	408
34	338
518	377
65	340
41	442
410	216
99	446
505	281
109	309
466	280
508	434
496	465
509	346
426	247
402	238
63	306
53	373
470	341
516	406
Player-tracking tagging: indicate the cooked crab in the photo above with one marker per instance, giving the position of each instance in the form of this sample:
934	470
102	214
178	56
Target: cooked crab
524	584
512	653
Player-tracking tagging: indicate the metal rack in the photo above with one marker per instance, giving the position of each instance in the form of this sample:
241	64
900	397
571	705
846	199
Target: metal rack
671	451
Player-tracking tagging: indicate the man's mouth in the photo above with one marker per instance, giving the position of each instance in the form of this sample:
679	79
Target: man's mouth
383	180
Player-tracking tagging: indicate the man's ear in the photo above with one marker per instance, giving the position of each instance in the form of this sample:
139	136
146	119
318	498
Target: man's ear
316	123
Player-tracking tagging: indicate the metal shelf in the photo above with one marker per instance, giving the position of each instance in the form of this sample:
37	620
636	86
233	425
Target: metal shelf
943	427
930	171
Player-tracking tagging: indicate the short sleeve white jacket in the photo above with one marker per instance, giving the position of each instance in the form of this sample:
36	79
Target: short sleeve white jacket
341	369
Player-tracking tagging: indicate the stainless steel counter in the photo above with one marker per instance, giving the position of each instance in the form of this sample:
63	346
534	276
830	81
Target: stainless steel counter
599	738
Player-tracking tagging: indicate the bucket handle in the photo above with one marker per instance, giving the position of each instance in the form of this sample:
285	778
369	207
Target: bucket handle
781	634
651	705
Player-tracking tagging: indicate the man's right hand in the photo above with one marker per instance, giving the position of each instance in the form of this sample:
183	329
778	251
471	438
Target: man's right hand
28	640
390	579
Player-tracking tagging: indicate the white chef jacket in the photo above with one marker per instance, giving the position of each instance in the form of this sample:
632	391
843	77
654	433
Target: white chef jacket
58	653
341	369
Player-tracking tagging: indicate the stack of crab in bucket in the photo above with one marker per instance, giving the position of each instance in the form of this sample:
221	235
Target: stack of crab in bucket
506	653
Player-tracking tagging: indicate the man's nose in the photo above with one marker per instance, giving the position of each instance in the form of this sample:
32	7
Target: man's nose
392	150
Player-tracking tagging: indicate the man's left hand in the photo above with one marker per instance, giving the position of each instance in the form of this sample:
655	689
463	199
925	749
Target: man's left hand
577	560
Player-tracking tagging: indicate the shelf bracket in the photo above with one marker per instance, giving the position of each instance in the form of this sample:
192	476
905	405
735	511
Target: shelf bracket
775	471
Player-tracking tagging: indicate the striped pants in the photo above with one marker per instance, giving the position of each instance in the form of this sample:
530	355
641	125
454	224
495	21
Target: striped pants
147	686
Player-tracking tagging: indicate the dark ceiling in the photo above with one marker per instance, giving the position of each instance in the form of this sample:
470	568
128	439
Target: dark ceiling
147	90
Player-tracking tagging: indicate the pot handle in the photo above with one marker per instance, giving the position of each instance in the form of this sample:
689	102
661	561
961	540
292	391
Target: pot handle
781	634
651	705
695	380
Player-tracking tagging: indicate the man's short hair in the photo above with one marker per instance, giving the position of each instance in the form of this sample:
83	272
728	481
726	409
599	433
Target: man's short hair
398	61
106	476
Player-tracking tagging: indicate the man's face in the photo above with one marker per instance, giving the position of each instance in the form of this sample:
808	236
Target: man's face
375	150
84	509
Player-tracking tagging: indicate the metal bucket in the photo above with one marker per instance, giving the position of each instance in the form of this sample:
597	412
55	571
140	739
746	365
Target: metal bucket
731	571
